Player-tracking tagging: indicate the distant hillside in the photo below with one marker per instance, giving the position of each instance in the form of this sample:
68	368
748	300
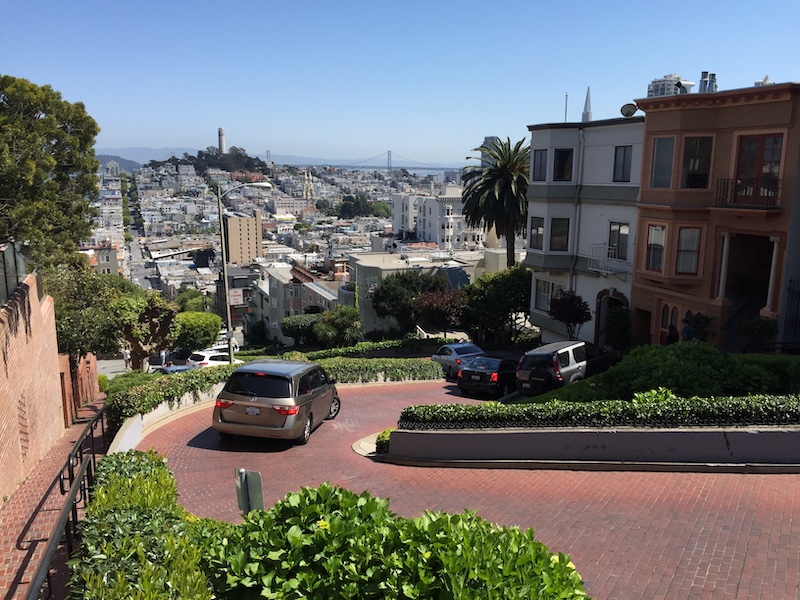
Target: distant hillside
145	155
125	165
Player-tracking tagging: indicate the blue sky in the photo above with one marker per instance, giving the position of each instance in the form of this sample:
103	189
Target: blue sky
351	80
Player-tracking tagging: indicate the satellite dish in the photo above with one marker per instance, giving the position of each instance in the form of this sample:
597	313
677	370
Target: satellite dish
628	110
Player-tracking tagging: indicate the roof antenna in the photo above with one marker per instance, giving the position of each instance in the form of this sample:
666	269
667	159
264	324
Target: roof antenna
566	102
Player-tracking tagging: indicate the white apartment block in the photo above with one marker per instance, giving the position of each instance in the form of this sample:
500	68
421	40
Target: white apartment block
584	183
436	218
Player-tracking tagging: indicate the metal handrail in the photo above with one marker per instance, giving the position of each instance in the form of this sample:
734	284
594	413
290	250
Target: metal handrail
85	459
68	524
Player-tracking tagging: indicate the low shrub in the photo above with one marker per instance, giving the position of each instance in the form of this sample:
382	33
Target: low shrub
362	370
382	441
132	535
102	383
318	543
330	543
659	408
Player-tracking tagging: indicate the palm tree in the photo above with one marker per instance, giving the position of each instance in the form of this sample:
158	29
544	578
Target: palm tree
495	191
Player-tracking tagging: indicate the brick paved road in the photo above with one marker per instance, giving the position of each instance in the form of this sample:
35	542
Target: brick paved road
631	535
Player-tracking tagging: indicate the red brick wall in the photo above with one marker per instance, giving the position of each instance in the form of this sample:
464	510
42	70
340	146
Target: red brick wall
31	411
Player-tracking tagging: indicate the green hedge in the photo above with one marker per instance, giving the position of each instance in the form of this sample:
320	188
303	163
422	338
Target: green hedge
147	391
318	543
657	408
329	543
133	541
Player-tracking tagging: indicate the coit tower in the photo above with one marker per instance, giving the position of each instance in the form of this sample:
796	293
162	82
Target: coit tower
221	134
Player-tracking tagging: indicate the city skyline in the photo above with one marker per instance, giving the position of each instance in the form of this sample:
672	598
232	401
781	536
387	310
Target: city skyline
351	82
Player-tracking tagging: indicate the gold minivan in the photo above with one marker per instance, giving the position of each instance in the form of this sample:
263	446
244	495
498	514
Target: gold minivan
274	398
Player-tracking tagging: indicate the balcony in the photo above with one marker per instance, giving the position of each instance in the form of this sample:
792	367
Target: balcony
605	259
752	193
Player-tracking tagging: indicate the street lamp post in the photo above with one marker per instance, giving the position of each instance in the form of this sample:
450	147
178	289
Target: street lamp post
225	285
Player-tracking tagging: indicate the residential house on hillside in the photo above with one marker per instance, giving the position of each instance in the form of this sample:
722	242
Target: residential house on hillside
284	290
584	181
719	228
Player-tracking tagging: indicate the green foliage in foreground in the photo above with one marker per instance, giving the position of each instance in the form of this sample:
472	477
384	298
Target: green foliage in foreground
325	543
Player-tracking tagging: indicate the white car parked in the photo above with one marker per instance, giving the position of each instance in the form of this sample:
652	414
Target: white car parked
210	357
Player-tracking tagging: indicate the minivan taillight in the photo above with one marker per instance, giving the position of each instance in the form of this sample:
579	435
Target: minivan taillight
556	369
287	410
223	403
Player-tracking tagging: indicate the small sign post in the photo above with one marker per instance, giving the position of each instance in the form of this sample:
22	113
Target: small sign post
249	493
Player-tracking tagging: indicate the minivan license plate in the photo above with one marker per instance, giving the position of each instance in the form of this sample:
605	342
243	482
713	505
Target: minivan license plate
252	410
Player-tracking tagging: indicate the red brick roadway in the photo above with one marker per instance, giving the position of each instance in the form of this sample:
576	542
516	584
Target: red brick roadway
632	535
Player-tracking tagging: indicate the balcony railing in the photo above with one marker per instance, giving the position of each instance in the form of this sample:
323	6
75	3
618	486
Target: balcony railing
605	259
756	193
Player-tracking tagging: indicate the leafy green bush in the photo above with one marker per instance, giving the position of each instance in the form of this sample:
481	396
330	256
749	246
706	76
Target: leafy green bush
328	542
102	383
132	535
382	442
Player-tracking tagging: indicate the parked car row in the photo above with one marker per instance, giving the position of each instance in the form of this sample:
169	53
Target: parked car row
537	371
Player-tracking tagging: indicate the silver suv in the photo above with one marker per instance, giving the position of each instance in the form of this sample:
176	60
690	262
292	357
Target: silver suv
275	399
561	363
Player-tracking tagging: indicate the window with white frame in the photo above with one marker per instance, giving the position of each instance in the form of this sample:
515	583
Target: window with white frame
618	241
655	247
539	165
688	250
622	163
537	233
545	290
696	162
663	149
559	235
562	164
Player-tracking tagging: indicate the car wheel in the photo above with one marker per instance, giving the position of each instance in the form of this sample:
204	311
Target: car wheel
450	373
504	391
225	437
336	406
303	439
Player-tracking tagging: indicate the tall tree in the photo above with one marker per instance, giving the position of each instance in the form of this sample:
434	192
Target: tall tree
396	296
339	327
48	170
196	330
495	191
84	320
146	323
493	303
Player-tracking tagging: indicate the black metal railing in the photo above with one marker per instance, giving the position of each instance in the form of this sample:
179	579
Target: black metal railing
753	192
76	481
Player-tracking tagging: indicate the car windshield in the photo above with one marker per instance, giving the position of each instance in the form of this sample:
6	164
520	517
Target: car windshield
259	384
468	350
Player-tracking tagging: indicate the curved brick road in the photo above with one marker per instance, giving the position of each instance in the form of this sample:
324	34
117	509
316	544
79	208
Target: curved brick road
631	535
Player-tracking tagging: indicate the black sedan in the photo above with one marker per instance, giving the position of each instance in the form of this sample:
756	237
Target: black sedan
488	375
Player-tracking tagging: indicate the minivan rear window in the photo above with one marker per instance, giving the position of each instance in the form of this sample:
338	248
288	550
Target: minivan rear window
259	384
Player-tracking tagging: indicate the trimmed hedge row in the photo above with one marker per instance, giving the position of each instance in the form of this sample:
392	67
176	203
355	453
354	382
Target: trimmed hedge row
145	397
658	408
318	543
